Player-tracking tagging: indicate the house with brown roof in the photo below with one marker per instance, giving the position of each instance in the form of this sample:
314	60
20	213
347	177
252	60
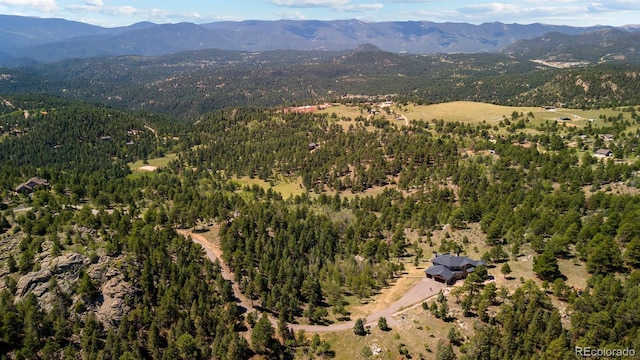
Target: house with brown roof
31	184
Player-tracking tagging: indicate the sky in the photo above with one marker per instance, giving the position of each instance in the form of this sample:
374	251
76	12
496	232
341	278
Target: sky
112	13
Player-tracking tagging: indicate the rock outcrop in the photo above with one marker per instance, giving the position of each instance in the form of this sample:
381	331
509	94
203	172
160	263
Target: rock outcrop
116	296
64	268
35	282
115	292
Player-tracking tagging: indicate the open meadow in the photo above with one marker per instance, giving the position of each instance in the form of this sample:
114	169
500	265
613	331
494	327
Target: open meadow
286	188
152	164
476	113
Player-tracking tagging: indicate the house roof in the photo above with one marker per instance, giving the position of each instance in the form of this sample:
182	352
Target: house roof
451	261
604	152
439	270
31	184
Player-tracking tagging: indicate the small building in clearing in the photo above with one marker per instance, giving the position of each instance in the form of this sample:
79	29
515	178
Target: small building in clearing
603	153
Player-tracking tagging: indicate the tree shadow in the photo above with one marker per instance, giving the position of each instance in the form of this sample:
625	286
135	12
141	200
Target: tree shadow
449	319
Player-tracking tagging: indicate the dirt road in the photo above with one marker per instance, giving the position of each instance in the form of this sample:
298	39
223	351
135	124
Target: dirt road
424	289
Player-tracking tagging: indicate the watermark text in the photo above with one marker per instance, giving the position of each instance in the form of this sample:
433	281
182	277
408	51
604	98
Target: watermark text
587	351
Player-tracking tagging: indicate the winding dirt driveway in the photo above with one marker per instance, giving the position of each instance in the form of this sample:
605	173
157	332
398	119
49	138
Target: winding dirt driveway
422	290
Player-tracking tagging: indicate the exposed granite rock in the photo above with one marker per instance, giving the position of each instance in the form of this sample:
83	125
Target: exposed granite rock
9	245
36	282
64	268
111	304
116	294
69	262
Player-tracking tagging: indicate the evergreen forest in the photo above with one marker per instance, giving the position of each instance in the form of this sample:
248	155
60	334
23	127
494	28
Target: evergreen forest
317	215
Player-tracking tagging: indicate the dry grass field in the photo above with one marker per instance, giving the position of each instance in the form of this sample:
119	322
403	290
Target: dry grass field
157	162
464	111
286	188
419	332
475	113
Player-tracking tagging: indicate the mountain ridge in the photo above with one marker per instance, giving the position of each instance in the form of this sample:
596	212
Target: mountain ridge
51	40
591	47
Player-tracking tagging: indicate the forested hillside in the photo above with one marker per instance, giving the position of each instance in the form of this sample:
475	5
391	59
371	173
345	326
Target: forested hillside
93	268
591	47
188	84
313	218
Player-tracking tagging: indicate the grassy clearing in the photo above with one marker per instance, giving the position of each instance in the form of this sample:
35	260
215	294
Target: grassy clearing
346	116
419	331
575	271
476	113
373	191
286	188
157	162
463	111
521	268
472	112
342	111
211	234
387	295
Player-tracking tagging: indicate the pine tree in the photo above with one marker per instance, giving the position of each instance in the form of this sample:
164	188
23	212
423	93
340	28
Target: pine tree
445	352
546	267
382	324
505	270
358	328
262	339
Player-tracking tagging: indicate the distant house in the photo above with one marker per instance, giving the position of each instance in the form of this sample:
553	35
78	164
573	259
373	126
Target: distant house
31	184
602	153
449	268
312	146
607	137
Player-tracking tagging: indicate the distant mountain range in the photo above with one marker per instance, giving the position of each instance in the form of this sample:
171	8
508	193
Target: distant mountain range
591	47
26	40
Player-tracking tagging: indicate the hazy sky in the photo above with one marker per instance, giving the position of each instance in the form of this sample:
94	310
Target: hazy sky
125	12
